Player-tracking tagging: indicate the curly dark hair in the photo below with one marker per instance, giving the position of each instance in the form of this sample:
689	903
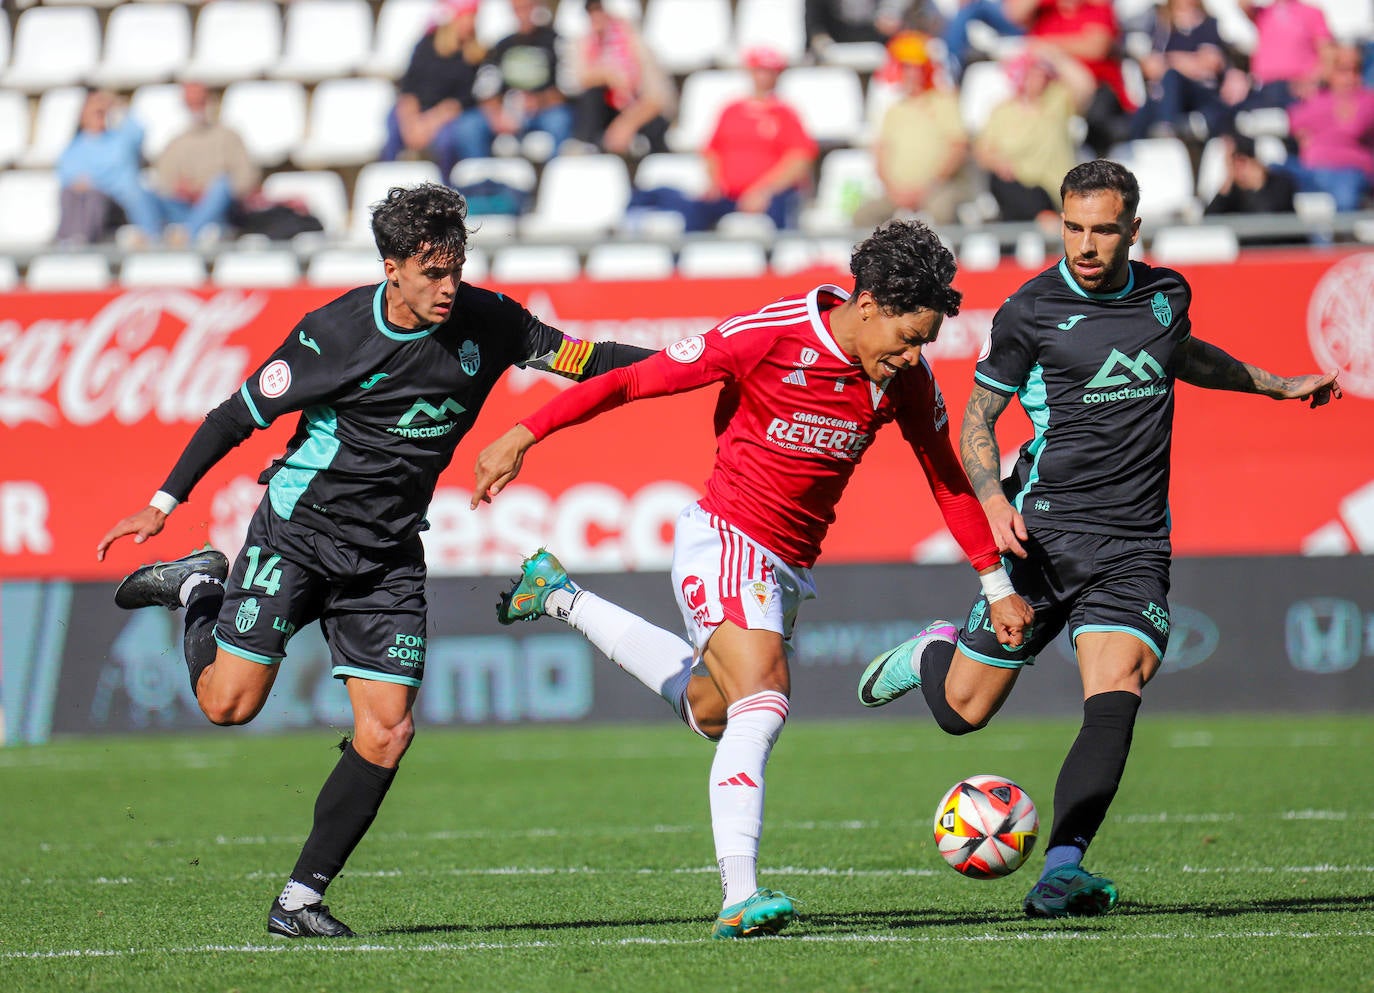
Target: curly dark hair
428	220
906	268
1101	175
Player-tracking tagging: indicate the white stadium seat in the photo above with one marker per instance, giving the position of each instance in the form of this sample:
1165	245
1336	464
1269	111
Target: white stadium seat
63	271
847	179
1194	243
718	259
704	95
28	208
347	123
494	22
579	195
54	124
984	86
324	39
269	114
829	100
1351	21
374	179
344	267
4	39
1164	170
321	191
162	111
776	24
9	274
142	269
266	267
685	171
53	46
535	264
14	126
144	43
517	173
235	39
400	24
613	260
687	35
793	253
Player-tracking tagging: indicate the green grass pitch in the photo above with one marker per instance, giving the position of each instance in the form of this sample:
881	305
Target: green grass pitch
563	858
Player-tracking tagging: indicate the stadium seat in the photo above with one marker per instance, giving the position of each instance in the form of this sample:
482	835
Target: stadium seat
980	251
54	124
1351	21
400	24
14	126
829	99
374	179
704	94
235	39
63	271
53	46
1236	29
516	173
322	191
347	123
1165	172
269	114
28	208
494	22
719	259
613	260
881	95
344	267
324	39
861	56
685	171
847	179
778	24
144	43
146	269
4	39
9	274
265	268
162	111
579	196
687	35
744	226
477	267
535	264
570	17
794	253
984	86
1193	243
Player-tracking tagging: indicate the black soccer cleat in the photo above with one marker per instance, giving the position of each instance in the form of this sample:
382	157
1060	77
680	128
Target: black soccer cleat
312	921
160	584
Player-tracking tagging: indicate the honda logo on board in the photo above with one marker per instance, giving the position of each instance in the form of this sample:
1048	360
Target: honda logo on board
1324	635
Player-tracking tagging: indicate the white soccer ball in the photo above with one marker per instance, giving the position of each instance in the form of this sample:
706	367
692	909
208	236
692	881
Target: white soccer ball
986	826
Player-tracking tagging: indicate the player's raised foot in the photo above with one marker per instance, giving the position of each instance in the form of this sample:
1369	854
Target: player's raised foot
1071	892
765	912
896	672
159	584
311	921
540	575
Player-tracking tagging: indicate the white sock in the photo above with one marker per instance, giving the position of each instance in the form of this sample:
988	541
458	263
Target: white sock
190	583
297	895
657	658
736	788
559	602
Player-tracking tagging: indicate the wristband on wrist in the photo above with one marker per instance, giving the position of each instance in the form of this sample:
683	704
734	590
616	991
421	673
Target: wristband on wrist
164	501
996	584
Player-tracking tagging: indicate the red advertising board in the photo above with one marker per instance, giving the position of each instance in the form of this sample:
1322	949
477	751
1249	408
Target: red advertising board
99	392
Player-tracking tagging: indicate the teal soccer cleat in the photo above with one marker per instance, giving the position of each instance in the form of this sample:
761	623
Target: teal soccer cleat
766	912
1071	892
540	575
896	672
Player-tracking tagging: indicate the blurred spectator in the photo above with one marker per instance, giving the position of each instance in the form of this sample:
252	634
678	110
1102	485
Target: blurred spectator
517	87
100	169
1088	31
1334	129
201	173
1027	144
921	149
1007	18
847	21
1292	39
1251	187
1183	74
435	113
625	95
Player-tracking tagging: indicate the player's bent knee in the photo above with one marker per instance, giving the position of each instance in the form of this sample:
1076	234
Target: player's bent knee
230	711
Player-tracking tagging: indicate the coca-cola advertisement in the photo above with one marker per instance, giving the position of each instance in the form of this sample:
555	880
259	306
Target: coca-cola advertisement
100	391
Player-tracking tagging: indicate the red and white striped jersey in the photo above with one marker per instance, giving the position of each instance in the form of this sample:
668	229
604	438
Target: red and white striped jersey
795	416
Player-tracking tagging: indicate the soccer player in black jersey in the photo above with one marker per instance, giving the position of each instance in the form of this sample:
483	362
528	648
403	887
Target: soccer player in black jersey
1092	348
387	380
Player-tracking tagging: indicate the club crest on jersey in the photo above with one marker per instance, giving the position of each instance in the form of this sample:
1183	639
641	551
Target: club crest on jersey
809	356
687	350
275	379
1164	313
247	615
760	592
469	357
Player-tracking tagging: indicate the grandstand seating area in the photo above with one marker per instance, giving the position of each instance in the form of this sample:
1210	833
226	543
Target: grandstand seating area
308	83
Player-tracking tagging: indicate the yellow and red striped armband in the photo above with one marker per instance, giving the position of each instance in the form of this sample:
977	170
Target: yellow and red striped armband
571	357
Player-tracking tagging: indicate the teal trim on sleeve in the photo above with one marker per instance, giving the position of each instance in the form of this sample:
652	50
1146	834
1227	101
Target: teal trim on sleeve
318	452
989	381
1121	628
999	663
252	407
347	671
248	656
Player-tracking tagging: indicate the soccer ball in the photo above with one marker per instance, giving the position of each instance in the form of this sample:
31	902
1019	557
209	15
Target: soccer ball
985	827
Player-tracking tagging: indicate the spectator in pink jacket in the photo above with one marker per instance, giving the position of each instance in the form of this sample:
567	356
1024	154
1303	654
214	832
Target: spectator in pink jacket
1335	132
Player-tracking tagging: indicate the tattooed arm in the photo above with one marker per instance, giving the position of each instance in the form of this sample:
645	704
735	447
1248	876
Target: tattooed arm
1206	365
983	463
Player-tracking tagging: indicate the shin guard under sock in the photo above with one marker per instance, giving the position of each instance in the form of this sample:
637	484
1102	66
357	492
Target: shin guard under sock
1092	770
344	810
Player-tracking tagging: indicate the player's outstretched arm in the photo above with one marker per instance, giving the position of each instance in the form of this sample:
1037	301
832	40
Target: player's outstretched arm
499	463
143	525
1202	364
983	463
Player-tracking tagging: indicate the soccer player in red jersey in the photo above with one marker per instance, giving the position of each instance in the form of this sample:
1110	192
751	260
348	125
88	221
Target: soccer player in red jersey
807	382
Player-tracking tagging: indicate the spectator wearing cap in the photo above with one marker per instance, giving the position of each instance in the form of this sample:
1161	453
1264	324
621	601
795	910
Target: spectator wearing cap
1334	128
921	151
626	98
517	86
436	114
1027	145
1251	187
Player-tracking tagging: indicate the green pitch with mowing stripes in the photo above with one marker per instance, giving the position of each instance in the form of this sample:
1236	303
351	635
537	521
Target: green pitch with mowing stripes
581	859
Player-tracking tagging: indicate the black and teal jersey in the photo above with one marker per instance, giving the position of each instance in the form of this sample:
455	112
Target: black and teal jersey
382	408
1095	374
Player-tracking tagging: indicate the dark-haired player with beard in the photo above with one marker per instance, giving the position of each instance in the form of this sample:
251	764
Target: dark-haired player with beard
806	383
1092	348
387	379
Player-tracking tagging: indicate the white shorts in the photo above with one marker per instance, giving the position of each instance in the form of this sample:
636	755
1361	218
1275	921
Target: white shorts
719	574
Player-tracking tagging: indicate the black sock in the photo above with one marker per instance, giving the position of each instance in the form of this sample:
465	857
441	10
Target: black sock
344	810
934	669
1092	770
202	607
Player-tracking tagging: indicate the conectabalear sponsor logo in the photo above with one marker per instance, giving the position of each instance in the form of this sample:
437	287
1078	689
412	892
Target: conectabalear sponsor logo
163	353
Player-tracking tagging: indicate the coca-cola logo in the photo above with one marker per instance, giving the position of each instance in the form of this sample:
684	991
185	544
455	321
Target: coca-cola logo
164	353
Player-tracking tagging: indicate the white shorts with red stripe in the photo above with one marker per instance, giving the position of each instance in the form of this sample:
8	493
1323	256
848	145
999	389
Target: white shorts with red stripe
720	574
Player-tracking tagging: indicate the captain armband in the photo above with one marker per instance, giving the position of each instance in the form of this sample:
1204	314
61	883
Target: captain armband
996	584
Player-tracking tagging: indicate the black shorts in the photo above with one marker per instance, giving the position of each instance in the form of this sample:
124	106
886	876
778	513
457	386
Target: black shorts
1090	582
370	605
